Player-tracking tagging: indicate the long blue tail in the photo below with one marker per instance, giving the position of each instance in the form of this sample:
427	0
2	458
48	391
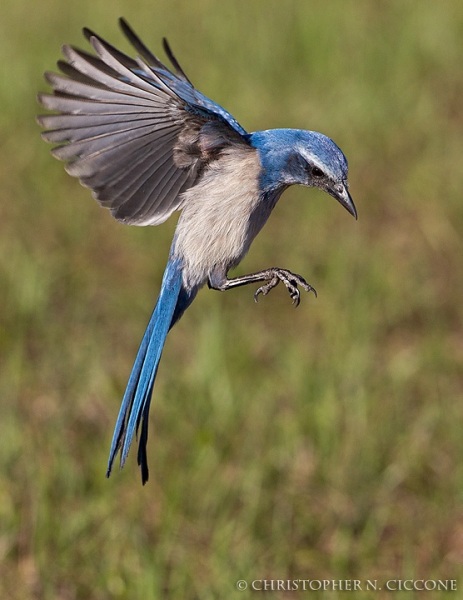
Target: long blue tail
172	302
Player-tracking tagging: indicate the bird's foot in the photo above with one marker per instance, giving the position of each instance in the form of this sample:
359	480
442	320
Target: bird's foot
291	281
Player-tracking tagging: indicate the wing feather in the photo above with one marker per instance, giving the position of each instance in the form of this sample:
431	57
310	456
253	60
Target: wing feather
130	129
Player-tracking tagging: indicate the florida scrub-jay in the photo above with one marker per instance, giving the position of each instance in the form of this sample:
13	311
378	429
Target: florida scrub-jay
148	143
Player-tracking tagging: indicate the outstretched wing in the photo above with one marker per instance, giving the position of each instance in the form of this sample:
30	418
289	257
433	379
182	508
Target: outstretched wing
134	132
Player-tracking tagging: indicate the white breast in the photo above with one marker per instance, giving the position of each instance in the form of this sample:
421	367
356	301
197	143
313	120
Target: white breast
215	229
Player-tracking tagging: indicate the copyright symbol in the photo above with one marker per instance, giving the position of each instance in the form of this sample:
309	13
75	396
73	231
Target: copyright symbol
241	585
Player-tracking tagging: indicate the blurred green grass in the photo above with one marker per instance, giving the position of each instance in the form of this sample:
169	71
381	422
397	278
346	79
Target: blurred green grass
318	443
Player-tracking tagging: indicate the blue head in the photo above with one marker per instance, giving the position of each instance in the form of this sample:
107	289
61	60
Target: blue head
294	156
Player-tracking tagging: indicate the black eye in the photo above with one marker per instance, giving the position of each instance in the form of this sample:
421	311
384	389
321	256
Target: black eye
316	172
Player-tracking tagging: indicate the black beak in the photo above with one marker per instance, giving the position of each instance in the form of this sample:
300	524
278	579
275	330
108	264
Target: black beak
341	193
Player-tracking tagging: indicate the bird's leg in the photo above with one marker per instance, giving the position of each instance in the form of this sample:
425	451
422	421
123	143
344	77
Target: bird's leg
271	276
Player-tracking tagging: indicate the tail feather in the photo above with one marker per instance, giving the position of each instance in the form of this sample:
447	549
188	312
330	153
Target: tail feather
136	401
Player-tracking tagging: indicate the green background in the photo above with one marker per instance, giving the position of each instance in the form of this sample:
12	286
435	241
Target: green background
322	442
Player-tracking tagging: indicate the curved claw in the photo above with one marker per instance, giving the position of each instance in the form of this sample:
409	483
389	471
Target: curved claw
265	289
296	296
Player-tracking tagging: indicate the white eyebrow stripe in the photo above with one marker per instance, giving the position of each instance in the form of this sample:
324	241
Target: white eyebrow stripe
313	160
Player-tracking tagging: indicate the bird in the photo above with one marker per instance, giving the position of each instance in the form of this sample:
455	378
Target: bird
148	143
